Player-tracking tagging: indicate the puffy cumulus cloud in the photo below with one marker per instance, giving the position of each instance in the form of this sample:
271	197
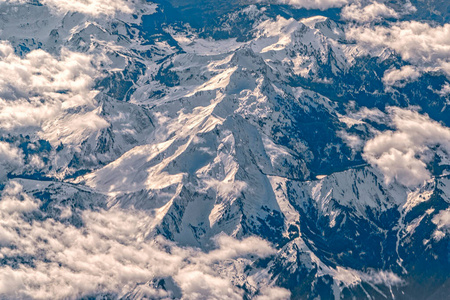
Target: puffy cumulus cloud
442	222
421	44
400	77
111	254
201	285
89	7
11	158
9	153
39	88
402	155
15	200
353	141
312	4
372	12
40	75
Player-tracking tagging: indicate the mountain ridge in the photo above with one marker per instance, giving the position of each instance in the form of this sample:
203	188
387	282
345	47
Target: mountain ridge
243	149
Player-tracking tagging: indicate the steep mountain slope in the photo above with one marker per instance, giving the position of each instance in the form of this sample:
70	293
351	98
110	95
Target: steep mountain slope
252	149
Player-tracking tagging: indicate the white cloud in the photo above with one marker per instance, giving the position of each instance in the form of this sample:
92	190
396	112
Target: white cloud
374	115
399	77
229	248
353	141
95	7
402	154
10	202
38	90
200	285
445	90
273	293
11	158
73	128
89	7
314	4
69	77
382	277
421	44
10	154
372	12
111	253
442	221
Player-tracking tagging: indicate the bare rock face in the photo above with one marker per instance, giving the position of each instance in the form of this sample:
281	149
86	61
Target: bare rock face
224	150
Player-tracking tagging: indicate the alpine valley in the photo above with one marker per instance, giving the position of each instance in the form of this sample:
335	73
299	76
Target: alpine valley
224	149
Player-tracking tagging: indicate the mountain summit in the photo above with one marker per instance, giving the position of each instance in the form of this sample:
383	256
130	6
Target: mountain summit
270	149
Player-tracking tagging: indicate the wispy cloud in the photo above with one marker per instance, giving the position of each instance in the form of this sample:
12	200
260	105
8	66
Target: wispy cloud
110	254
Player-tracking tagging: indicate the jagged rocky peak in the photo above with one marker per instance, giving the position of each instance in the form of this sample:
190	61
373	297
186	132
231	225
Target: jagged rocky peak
224	149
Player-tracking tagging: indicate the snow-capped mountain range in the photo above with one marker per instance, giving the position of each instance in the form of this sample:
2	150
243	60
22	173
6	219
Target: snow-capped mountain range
224	149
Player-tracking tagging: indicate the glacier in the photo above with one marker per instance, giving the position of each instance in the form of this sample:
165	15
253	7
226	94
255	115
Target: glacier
225	150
